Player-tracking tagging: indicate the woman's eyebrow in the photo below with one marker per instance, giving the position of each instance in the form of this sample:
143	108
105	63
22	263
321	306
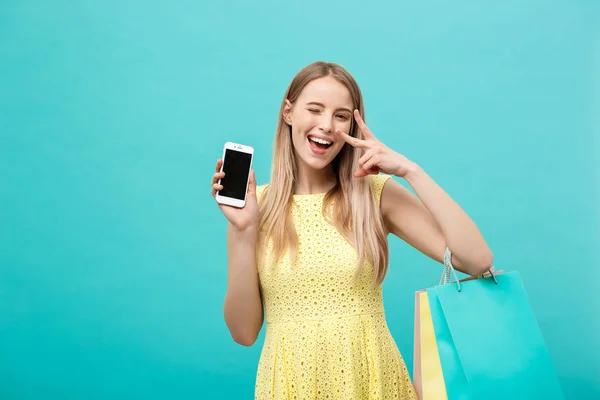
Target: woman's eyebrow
316	103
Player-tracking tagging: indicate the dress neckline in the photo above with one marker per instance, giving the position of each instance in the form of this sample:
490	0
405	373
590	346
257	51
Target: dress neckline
309	195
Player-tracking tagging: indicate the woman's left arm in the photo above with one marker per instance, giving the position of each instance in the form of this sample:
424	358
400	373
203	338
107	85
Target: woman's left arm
434	221
430	221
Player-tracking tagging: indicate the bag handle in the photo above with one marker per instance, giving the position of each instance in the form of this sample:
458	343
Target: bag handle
449	268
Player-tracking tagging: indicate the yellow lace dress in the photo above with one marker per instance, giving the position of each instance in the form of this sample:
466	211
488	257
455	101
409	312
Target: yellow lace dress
326	336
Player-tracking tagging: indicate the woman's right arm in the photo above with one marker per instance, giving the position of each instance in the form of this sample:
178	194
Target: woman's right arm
243	306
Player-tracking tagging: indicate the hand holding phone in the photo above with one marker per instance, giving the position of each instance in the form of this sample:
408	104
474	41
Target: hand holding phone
234	186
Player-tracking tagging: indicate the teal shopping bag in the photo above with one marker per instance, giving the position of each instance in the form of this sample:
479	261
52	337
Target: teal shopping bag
458	387
489	342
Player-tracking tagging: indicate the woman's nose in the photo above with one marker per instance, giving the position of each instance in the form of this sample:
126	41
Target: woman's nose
325	124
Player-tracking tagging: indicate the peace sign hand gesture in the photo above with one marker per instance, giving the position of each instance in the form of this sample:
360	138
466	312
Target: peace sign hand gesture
377	157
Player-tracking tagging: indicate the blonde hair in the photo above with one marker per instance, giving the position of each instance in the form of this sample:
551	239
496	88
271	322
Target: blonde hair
354	210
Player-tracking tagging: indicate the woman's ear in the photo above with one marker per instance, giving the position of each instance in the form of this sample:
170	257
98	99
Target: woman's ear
287	112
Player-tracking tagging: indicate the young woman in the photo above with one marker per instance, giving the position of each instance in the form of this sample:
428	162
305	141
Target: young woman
311	247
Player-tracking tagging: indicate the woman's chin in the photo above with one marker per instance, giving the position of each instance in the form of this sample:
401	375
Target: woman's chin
317	162
311	163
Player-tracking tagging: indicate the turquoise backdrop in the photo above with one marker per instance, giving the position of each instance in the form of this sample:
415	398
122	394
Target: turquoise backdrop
113	113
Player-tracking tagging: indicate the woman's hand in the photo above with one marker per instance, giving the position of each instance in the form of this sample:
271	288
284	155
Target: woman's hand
241	218
377	157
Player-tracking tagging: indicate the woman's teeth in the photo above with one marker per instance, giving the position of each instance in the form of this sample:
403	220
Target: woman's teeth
320	141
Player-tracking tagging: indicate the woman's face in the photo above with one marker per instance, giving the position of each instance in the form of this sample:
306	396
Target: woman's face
324	106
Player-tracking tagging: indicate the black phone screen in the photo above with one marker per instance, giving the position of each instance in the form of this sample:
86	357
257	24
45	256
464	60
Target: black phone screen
236	165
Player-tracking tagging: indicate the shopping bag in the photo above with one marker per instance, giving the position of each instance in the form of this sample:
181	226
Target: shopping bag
428	377
488	341
417	382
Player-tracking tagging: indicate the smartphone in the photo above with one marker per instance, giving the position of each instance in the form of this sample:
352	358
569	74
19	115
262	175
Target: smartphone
237	164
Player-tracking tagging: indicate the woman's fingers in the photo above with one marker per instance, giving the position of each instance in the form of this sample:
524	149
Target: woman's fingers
215	188
352	141
252	184
370	164
217	176
363	127
365	157
215	179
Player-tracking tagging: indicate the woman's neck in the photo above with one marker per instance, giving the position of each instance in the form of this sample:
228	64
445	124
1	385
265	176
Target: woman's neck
312	181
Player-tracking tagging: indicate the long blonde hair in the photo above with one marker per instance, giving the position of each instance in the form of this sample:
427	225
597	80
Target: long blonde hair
355	212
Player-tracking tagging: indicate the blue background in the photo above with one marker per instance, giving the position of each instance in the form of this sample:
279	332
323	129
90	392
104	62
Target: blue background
113	113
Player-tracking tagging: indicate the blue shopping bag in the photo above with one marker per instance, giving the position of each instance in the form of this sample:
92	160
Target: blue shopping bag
489	342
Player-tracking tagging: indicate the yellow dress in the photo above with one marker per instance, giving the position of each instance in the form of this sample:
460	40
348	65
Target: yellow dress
326	336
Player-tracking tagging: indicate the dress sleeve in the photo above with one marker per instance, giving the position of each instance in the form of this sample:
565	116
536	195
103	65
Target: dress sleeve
377	183
260	190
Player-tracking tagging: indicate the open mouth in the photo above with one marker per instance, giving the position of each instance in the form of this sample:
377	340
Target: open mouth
318	144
